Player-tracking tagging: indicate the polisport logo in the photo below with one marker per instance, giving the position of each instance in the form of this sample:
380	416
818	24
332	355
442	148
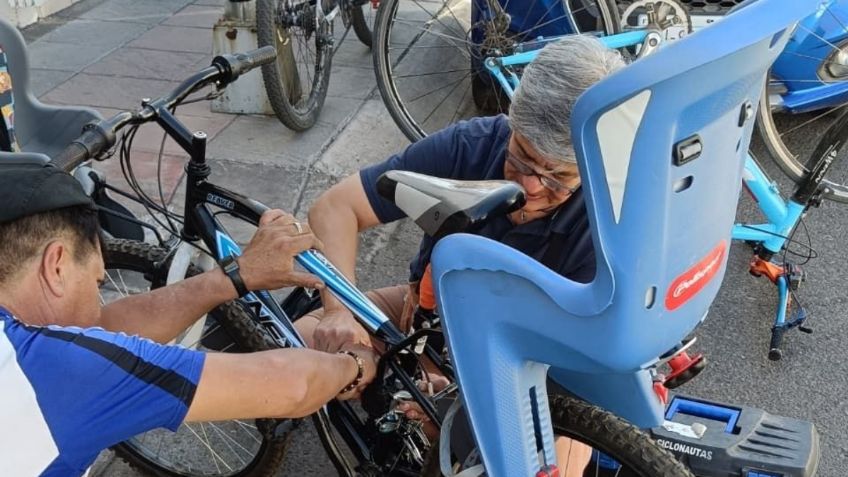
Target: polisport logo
693	280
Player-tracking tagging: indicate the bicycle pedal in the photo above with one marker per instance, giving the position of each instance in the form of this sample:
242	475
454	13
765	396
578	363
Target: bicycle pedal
805	329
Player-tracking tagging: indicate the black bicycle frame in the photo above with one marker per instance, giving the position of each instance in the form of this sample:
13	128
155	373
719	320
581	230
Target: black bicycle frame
201	224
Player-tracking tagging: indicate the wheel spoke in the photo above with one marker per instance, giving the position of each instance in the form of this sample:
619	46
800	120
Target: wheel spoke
430	73
805	123
824	40
457	83
211	449
437	15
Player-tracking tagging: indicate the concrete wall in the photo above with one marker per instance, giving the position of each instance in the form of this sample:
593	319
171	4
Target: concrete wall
26	12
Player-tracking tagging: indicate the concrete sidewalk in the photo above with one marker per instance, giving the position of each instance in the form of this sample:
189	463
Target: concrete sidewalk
110	53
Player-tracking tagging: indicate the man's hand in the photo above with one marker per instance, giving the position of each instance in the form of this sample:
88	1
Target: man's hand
337	329
267	262
369	359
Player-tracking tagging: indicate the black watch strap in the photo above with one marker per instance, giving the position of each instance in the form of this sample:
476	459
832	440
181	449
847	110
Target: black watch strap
231	268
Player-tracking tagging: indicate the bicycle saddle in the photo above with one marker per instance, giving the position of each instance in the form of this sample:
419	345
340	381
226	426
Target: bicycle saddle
444	206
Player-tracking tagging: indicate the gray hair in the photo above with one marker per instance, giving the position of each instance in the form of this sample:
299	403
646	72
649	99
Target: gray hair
542	105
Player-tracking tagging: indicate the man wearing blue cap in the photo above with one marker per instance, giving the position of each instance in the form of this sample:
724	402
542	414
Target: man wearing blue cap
69	388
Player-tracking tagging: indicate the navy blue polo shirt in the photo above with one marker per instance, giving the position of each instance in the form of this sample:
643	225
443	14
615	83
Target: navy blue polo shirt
476	150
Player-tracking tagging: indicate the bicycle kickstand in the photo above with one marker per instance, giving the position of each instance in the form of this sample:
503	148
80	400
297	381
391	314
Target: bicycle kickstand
787	278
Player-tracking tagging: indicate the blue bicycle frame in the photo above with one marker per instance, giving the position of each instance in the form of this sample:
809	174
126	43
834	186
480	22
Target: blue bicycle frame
662	164
500	67
812	39
783	216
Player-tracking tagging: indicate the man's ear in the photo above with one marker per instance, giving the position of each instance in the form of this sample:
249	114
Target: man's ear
54	267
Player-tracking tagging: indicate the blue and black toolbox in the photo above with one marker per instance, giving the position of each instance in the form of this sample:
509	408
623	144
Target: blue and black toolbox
721	440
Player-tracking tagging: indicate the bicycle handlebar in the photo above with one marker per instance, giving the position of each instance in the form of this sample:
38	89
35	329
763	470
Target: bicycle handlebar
97	137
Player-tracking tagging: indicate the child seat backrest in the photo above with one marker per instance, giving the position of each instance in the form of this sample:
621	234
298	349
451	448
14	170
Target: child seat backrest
33	126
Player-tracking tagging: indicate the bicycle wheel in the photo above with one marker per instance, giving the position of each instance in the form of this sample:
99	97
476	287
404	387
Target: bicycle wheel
297	82
805	91
627	451
231	448
428	56
362	19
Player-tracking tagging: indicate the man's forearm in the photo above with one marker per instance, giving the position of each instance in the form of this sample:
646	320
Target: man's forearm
162	314
280	383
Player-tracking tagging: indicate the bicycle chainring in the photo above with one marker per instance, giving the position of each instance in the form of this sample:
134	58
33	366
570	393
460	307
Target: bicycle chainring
670	18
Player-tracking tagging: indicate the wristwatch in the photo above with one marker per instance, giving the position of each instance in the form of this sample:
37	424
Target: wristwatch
231	269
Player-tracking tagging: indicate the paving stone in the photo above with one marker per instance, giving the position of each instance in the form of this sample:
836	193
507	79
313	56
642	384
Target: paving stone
78	9
145	165
149	137
371	137
171	38
96	32
153	64
108	91
353	53
135	11
41	81
64	56
338	110
349	82
260	139
276	186
198	16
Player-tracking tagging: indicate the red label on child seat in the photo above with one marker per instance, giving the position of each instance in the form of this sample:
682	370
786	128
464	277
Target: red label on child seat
693	280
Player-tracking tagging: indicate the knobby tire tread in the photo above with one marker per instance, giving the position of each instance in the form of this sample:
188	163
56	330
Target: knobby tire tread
596	427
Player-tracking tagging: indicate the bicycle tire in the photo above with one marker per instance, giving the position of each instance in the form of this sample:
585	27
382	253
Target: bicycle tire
411	124
601	430
236	321
295	108
787	161
788	143
363	22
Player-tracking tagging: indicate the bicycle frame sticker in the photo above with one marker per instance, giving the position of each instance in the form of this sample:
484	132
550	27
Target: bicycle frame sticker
688	284
227	247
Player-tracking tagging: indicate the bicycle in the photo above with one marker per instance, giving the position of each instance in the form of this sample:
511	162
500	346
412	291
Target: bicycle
302	32
628	372
383	442
429	58
257	322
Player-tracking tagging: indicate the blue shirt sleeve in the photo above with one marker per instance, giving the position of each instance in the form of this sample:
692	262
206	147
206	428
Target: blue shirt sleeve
463	151
96	388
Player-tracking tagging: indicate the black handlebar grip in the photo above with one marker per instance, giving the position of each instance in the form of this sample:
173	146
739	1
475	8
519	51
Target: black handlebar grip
775	353
90	144
234	65
73	155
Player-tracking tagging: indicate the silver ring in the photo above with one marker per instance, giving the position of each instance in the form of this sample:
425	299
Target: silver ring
298	227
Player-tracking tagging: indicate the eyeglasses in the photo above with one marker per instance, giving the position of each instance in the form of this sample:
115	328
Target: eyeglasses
549	183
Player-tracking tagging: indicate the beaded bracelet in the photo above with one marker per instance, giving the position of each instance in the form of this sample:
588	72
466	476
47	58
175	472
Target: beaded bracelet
359	372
